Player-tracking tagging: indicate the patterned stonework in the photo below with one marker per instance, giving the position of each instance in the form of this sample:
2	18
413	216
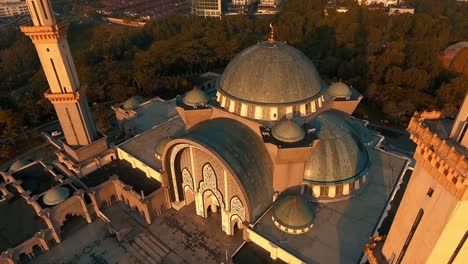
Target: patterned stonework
237	208
174	152
209	183
187	179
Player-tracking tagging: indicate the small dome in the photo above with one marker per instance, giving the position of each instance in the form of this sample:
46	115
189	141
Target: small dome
196	97
339	90
271	73
56	195
292	214
18	164
158	150
339	155
132	103
287	130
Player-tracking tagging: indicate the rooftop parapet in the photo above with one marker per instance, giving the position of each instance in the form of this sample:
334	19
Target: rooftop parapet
445	161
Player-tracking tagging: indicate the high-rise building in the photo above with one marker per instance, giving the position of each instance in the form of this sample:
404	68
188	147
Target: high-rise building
207	8
431	222
65	93
13	8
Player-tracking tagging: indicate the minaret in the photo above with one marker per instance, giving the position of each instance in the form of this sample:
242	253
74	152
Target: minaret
65	93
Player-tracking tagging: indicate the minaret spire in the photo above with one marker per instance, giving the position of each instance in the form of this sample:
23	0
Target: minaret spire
271	39
50	40
41	12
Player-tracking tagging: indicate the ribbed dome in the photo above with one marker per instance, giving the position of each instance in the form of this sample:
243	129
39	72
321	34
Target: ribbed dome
18	164
287	130
339	154
271	73
132	102
158	150
56	195
196	97
339	90
293	212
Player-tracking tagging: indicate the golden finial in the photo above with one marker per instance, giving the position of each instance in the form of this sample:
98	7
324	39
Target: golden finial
272	33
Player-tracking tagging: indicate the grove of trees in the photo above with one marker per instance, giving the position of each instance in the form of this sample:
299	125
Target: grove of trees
392	60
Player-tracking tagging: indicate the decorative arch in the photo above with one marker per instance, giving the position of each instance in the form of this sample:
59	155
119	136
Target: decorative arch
209	183
208	175
237	208
235	219
187	179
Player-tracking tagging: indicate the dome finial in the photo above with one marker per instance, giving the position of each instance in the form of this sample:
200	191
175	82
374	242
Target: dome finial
271	39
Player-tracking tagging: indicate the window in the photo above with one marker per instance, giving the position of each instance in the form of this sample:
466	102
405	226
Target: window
430	192
462	134
339	189
459	247
323	190
410	235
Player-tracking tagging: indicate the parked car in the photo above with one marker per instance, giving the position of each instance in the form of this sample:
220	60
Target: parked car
56	133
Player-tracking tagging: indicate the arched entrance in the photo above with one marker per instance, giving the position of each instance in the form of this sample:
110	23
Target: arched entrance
210	203
71	223
236	224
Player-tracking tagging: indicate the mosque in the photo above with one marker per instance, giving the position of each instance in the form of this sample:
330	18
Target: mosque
268	146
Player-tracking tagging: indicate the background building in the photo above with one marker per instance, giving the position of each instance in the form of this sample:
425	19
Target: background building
13	8
207	8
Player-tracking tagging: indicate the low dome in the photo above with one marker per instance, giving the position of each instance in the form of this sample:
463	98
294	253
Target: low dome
132	103
287	130
56	195
158	150
292	214
339	90
271	73
339	155
18	164
196	97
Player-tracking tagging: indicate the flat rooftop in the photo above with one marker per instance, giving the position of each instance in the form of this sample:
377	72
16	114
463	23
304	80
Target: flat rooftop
142	146
151	113
18	222
36	178
341	229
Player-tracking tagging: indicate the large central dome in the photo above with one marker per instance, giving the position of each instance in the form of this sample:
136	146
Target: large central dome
271	73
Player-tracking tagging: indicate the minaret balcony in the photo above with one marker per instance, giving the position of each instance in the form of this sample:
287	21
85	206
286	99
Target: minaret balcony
44	33
57	98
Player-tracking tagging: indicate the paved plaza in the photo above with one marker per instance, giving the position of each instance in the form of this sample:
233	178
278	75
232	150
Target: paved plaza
174	237
194	238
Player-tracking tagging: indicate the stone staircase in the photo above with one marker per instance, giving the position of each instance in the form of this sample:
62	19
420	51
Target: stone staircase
148	250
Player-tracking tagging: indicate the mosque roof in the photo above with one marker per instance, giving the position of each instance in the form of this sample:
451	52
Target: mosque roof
293	212
132	102
245	154
339	90
158	150
18	164
271	73
287	130
196	97
56	195
339	154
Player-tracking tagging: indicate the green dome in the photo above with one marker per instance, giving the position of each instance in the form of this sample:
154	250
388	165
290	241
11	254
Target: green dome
196	97
339	155
18	164
339	90
293	212
132	103
287	130
56	195
271	73
158	150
